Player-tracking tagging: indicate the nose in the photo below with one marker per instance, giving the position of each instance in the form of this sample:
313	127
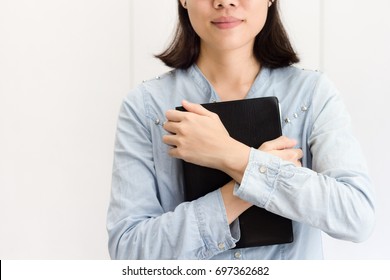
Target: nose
218	4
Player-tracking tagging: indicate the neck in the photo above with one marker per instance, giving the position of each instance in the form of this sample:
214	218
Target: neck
231	73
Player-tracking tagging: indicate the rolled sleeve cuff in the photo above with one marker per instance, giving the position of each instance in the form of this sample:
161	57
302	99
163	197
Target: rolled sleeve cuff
258	183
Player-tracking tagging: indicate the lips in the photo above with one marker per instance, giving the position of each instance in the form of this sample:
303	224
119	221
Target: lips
226	22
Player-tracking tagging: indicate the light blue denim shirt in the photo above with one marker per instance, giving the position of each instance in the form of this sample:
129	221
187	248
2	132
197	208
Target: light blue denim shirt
331	193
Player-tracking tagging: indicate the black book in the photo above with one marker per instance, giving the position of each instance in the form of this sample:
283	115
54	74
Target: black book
252	122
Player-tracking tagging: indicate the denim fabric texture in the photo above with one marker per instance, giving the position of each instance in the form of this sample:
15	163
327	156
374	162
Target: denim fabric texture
332	193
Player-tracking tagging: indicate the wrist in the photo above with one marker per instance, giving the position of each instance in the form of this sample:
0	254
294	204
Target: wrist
236	160
234	205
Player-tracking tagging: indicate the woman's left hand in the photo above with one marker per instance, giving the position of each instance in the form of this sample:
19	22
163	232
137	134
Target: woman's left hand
198	136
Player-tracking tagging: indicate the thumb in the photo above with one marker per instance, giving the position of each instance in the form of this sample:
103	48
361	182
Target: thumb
279	143
196	108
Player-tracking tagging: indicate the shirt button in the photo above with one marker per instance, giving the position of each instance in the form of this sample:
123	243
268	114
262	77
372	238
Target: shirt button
237	255
263	169
221	246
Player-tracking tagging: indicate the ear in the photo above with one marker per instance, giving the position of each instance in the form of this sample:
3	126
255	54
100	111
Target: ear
184	3
270	2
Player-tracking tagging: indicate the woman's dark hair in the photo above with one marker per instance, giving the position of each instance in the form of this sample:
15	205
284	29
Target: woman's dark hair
272	47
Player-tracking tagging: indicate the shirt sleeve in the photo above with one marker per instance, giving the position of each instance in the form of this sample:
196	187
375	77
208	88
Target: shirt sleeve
138	227
336	195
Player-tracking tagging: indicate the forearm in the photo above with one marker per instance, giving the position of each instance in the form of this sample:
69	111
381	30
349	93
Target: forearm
337	202
188	232
233	204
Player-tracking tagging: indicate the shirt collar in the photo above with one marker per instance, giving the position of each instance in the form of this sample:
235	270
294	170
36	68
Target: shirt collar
201	81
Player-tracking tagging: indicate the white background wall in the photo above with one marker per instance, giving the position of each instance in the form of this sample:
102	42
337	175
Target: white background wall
65	66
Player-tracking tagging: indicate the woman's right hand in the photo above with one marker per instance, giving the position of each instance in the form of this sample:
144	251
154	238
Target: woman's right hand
283	147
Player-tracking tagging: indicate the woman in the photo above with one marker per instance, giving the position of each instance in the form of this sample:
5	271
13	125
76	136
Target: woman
229	50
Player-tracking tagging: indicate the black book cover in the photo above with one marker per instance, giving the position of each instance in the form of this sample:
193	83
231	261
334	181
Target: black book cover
252	122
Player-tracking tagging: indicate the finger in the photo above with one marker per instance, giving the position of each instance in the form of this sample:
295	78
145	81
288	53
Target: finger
170	126
293	154
170	140
196	108
298	153
175	115
279	143
174	152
